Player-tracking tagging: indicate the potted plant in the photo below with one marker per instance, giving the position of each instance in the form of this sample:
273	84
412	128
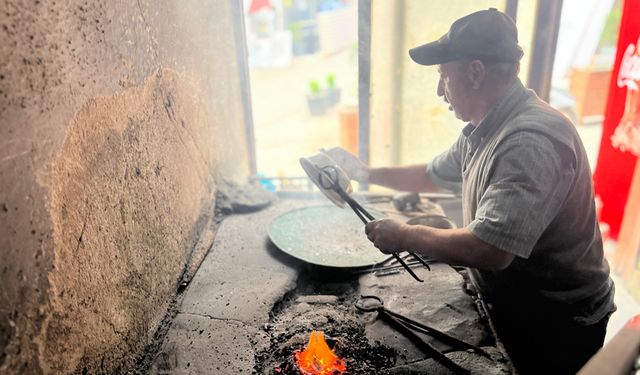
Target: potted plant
317	99
333	92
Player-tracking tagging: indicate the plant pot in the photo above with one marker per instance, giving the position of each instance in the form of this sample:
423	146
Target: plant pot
317	103
333	96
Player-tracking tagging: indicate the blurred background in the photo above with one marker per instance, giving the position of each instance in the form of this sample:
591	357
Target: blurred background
303	59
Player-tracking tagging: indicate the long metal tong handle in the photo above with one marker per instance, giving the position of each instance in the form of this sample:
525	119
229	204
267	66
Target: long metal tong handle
426	348
435	333
355	206
360	211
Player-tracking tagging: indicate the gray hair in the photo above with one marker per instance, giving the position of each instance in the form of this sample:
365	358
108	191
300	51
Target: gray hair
503	72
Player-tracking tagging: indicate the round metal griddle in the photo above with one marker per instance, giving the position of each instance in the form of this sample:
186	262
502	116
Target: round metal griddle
326	236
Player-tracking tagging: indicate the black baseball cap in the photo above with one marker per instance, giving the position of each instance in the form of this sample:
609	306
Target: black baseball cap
486	35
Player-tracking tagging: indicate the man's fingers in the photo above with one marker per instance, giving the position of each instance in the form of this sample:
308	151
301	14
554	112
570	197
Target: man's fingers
369	230
380	246
370	226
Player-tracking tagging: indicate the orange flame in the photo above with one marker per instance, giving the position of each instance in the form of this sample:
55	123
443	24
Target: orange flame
318	359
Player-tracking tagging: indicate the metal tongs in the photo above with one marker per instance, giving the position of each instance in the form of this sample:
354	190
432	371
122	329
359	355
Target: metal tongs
328	179
407	326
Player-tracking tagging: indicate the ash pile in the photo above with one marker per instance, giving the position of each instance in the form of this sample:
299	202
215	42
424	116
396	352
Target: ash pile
325	301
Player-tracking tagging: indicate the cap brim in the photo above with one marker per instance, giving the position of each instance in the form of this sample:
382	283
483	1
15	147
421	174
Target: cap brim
433	53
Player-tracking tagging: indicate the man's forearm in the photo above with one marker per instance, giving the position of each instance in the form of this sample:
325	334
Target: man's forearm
455	246
411	178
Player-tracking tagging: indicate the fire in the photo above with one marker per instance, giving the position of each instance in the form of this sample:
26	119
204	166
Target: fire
318	359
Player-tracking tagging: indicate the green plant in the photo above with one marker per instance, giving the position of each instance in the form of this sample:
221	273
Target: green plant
296	31
314	86
331	81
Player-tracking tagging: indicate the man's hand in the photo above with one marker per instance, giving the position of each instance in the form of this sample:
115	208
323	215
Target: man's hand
454	246
355	168
387	235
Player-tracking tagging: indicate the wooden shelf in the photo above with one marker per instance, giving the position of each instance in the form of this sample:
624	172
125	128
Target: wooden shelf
590	88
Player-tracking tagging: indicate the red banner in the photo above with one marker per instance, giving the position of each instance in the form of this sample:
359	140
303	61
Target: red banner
634	323
621	128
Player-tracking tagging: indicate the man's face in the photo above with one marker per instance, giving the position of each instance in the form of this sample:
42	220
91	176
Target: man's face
455	88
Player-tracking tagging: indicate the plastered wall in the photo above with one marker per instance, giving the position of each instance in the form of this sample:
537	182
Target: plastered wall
116	119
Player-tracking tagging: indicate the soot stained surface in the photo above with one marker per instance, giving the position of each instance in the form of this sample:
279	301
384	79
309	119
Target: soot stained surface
250	307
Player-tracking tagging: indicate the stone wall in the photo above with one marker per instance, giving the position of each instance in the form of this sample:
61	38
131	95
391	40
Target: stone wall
116	119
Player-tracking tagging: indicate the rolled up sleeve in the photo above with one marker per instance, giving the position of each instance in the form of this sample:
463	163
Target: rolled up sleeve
528	183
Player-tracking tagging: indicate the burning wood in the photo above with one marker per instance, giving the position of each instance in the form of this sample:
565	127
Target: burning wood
318	359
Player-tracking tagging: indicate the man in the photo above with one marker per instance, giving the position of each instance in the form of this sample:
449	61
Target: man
531	236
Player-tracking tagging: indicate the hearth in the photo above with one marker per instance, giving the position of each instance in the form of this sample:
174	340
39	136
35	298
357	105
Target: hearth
325	299
252	307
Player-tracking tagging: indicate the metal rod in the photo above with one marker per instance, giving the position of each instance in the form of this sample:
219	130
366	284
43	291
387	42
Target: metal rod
359	207
445	338
511	9
364	220
420	343
406	267
547	26
421	260
390	267
245	83
359	210
398	61
364	81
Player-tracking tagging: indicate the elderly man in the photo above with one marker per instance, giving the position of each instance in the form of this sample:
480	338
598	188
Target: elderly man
531	235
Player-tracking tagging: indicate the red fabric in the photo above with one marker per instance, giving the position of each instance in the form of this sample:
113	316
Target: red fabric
256	5
634	323
614	168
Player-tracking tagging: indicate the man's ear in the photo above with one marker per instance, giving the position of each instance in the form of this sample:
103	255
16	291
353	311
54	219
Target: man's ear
476	73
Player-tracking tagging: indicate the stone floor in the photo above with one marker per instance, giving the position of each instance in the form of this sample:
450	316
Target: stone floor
246	290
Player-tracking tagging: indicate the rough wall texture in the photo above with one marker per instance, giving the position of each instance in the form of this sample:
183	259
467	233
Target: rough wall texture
115	116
